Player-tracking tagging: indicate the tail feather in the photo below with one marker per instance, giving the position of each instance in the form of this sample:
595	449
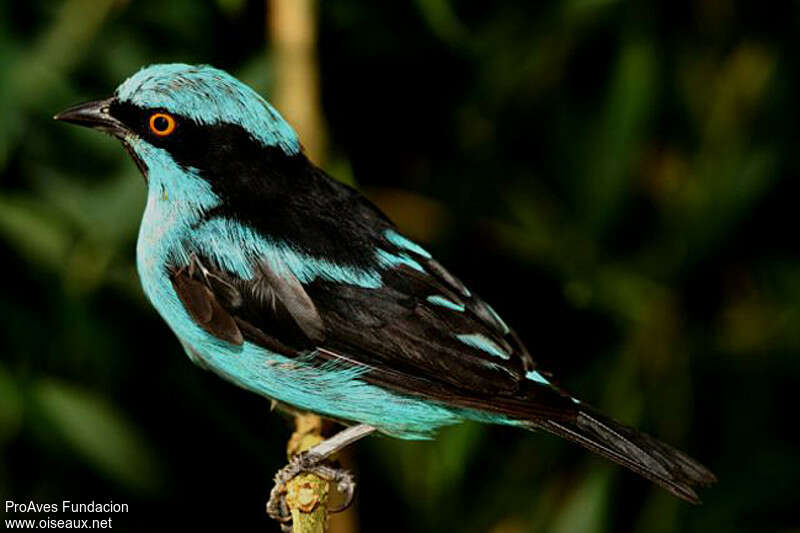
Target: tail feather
660	463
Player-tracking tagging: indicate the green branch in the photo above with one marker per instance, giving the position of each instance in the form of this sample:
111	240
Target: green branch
307	494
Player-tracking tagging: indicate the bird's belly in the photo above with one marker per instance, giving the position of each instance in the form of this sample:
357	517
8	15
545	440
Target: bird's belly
330	391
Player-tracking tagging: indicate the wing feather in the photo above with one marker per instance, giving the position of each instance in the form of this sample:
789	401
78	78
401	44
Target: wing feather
205	309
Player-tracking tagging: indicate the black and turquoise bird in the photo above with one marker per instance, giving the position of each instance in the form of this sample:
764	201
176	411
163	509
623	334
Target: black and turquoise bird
294	286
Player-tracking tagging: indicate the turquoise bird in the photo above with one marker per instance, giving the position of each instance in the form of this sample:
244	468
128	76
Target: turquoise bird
292	285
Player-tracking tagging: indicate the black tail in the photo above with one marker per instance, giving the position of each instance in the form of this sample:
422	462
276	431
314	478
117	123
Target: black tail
660	463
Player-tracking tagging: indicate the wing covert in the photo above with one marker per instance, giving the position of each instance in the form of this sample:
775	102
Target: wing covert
421	331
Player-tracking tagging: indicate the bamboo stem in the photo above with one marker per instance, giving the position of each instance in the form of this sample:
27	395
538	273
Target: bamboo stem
293	40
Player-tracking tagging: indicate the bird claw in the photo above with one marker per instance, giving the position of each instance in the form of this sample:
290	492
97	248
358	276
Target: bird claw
308	463
346	485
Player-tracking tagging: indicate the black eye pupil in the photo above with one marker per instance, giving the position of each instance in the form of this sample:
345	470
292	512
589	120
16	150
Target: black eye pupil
160	123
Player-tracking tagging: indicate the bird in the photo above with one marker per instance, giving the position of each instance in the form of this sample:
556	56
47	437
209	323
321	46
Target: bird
293	285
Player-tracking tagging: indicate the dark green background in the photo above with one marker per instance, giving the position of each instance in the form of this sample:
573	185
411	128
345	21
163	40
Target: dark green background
620	181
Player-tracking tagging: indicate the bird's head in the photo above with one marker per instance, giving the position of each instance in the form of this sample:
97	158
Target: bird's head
178	118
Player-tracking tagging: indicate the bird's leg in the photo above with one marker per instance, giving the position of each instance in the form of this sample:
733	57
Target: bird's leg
312	462
341	440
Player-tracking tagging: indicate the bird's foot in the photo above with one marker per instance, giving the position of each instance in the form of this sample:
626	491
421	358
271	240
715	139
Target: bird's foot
313	462
307	463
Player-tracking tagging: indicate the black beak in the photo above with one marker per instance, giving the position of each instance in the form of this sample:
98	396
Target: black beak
94	115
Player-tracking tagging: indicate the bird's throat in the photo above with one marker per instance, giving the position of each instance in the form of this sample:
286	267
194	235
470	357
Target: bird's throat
140	164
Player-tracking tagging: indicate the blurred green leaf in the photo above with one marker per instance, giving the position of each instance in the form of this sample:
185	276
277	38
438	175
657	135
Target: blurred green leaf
581	9
426	471
33	76
585	510
107	213
10	406
258	73
231	7
34	230
617	140
659	515
98	432
442	19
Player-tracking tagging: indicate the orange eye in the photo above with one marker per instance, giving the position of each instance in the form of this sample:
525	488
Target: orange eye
162	124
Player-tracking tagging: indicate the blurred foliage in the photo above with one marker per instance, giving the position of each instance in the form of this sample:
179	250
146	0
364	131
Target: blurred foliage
617	179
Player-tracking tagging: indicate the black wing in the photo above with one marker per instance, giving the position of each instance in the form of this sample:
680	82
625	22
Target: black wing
421	333
398	333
